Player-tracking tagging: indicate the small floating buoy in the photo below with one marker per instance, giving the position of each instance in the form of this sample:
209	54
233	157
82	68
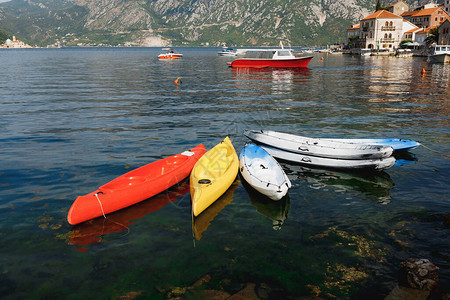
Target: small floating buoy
177	81
321	58
423	71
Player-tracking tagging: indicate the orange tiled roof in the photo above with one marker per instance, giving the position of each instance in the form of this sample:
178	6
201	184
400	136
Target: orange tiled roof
382	14
426	12
414	30
408	13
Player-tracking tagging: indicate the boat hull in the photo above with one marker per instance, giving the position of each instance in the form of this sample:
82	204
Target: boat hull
318	147
261	171
212	175
170	56
321	162
298	62
440	58
134	186
396	144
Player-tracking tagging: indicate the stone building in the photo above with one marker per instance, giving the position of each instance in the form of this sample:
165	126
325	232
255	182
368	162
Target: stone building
399	8
444	32
381	30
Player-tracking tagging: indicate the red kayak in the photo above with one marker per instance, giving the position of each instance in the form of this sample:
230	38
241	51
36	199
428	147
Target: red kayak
134	186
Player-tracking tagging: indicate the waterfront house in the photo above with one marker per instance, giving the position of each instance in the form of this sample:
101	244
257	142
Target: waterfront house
427	17
381	30
411	34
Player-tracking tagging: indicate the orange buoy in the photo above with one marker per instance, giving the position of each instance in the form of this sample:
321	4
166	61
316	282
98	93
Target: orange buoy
321	58
177	81
423	71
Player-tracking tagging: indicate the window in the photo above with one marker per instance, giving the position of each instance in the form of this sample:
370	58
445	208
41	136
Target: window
390	35
387	23
391	23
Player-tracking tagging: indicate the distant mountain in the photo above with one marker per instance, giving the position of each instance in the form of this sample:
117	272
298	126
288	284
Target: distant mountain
183	22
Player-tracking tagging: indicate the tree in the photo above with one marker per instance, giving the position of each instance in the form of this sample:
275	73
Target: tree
433	36
378	7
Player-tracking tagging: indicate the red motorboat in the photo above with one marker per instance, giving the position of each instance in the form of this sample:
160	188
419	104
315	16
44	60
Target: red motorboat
135	186
270	58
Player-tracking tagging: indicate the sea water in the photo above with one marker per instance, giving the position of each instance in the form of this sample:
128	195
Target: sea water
73	119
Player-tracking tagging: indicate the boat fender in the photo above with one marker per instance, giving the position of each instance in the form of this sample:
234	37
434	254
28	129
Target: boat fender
204	181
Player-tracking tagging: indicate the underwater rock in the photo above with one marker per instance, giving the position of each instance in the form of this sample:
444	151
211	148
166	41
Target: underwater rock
418	274
247	293
402	293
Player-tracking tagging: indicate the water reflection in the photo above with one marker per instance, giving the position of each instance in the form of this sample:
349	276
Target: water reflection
374	184
404	157
94	230
278	80
203	220
276	211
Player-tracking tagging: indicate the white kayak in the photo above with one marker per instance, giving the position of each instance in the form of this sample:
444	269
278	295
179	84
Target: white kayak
314	161
318	147
263	172
396	144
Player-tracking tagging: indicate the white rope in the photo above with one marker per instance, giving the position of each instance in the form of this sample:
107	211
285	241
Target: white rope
101	207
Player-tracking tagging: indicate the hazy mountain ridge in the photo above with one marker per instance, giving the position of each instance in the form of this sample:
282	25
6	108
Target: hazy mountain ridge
183	22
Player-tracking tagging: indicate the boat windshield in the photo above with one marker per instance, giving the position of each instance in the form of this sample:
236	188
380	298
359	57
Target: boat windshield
284	53
260	54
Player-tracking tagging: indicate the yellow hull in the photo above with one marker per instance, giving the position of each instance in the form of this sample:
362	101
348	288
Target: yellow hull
212	175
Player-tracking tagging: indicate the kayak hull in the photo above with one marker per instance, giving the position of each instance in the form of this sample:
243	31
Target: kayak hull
261	171
313	161
396	144
212	175
134	186
318	147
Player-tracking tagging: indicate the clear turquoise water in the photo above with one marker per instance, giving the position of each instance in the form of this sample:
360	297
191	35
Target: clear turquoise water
74	119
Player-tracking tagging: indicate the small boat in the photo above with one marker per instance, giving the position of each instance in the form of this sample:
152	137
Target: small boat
440	54
227	52
134	186
396	144
212	175
322	162
263	172
318	147
170	54
271	58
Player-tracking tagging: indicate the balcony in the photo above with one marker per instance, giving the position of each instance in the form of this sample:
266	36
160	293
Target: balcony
387	28
387	40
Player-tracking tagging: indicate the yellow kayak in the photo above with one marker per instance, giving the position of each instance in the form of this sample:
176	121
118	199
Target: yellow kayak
212	175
